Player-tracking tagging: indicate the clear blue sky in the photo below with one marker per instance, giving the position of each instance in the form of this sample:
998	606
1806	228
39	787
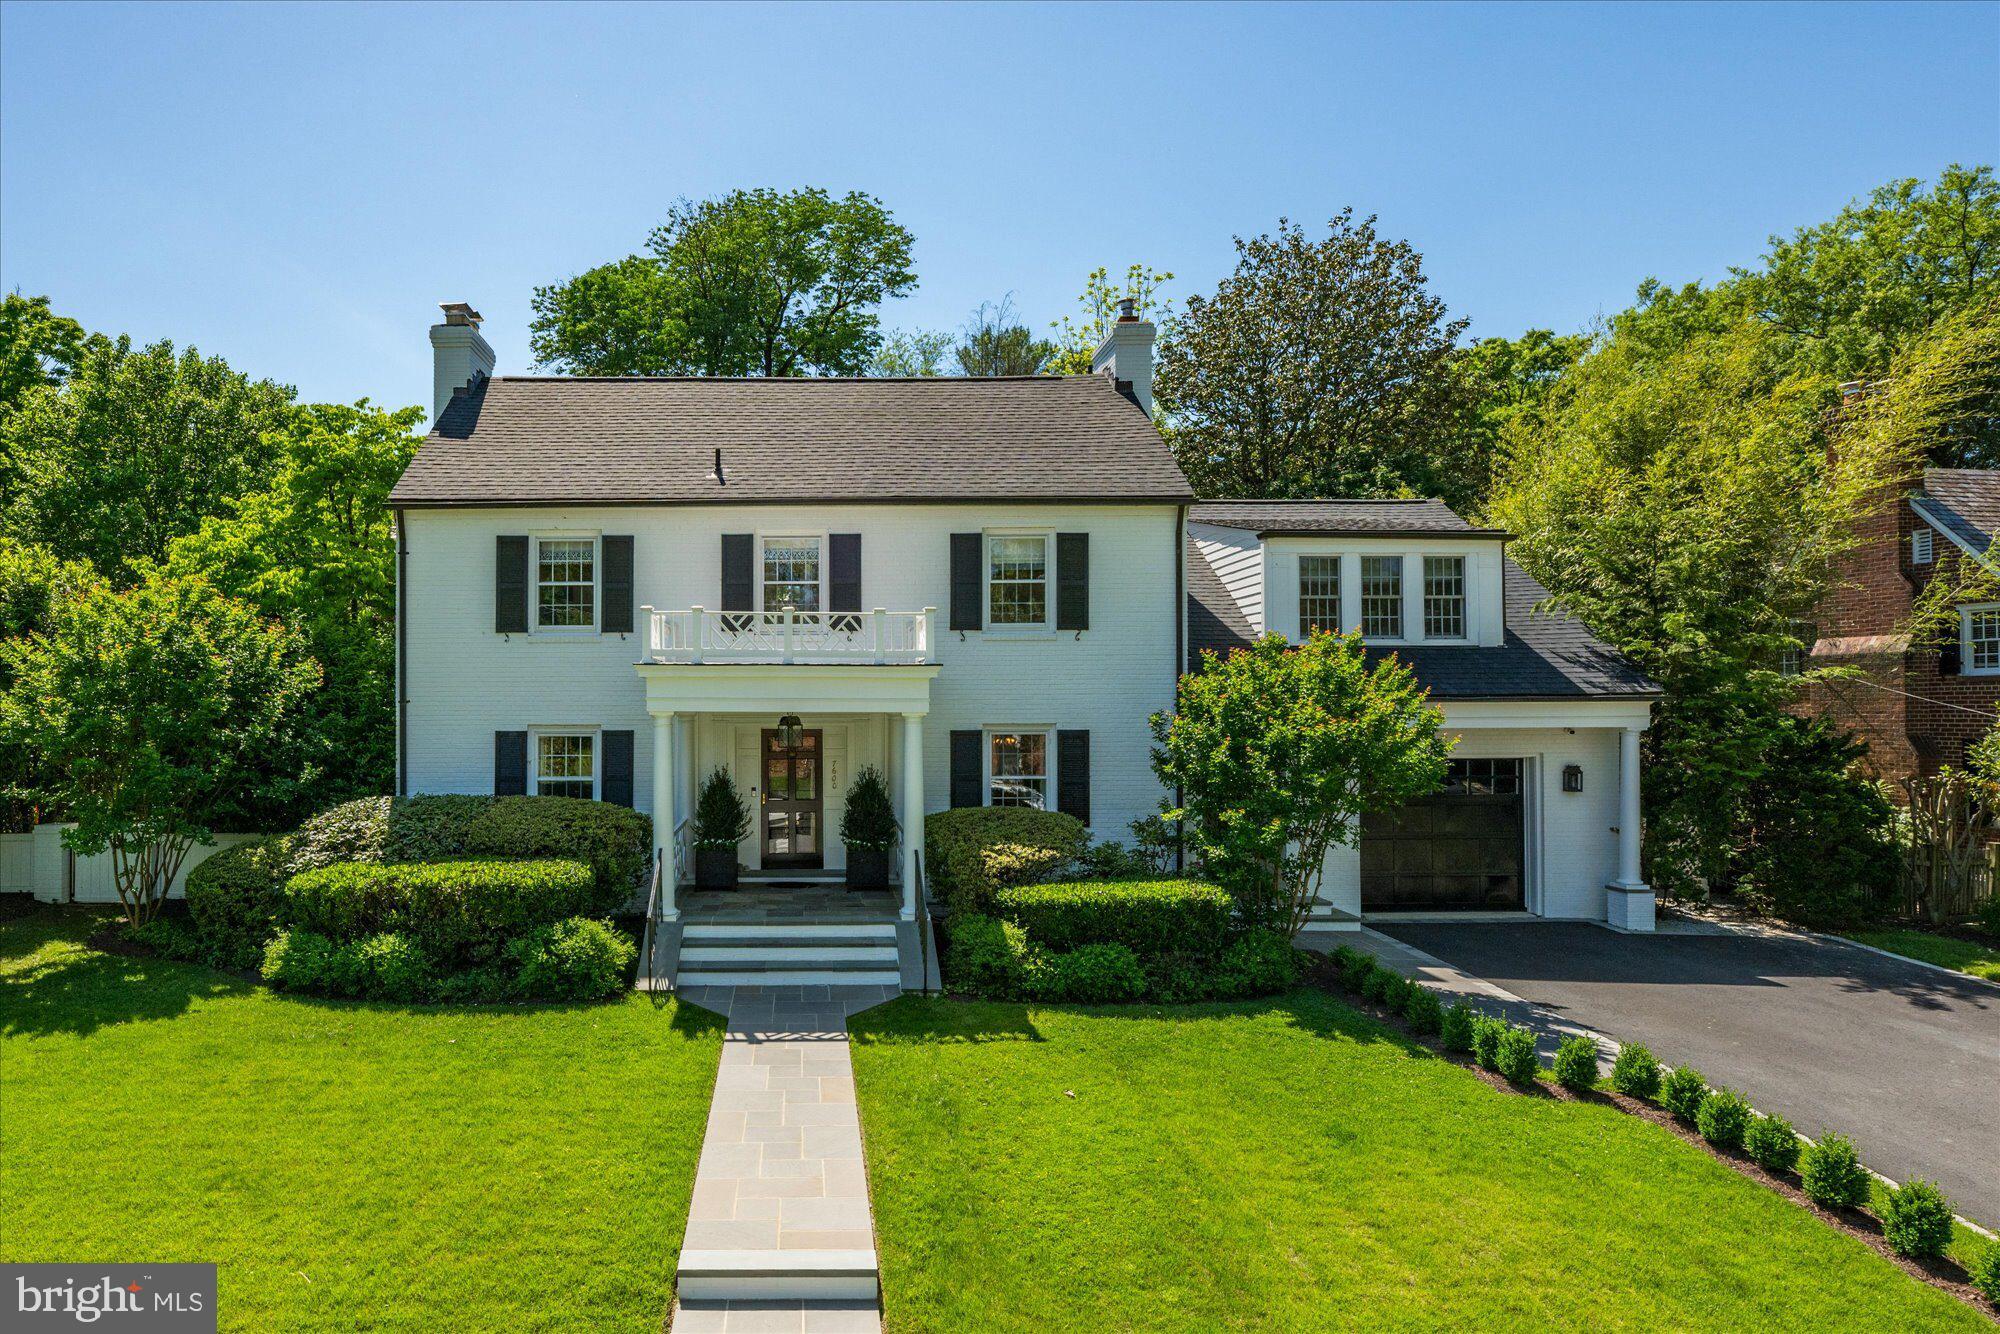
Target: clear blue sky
296	188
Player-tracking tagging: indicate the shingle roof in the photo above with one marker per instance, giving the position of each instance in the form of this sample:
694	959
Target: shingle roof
1334	516
1965	502
519	440
1547	655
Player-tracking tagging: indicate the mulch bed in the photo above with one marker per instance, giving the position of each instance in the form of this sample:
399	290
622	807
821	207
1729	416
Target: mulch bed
1945	1274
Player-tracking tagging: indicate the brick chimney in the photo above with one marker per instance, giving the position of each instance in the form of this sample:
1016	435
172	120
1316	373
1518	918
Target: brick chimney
460	357
1126	355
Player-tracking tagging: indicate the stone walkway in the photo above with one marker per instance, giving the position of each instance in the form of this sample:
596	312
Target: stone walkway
780	1235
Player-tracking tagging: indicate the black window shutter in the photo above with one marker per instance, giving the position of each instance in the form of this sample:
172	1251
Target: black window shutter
968	605
510	585
738	585
510	764
1073	773
968	776
1072	581
616	616
843	561
615	782
1948	662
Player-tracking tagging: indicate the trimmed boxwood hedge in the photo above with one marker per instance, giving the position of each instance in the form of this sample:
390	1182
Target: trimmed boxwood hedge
1148	917
972	852
233	900
459	913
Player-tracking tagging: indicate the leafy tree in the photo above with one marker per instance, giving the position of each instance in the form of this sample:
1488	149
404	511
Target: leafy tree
1508	378
134	449
912	354
1277	753
34	582
998	344
758	282
1078	339
1318	368
37	347
155	709
316	549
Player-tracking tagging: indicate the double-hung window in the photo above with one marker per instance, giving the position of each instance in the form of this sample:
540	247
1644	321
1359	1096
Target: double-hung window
566	764
1017	580
565	583
1017	769
1382	597
1980	639
1444	597
791	574
1319	595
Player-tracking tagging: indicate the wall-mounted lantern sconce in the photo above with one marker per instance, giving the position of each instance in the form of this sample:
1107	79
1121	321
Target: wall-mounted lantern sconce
1572	778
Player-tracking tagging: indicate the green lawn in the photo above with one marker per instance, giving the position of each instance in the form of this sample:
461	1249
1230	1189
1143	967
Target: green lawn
1291	1165
347	1165
1944	951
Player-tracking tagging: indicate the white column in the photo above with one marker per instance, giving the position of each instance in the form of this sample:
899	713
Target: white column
1628	810
913	808
664	817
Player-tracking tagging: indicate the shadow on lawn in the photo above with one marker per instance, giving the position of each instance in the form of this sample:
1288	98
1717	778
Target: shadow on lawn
80	991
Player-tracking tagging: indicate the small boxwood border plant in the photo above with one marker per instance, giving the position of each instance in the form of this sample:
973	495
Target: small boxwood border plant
1724	1119
1772	1144
1985	1273
1423	1011
1916	1221
1486	1034
1683	1091
1456	1026
1514	1058
1831	1174
1575	1065
1635	1072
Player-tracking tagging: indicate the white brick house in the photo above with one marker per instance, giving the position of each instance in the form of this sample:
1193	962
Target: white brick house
612	587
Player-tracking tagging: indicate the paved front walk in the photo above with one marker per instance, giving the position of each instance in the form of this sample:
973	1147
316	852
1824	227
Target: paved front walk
780	1235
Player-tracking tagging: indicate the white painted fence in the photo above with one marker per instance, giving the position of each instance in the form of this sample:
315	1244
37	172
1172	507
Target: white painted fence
37	863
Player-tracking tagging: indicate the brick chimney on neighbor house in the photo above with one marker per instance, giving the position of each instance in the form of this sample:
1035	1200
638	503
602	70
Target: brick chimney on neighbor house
460	358
1126	355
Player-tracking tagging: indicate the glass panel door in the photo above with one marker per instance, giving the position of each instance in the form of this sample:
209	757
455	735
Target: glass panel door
792	801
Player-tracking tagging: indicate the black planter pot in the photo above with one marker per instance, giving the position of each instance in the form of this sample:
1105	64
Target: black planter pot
715	868
867	868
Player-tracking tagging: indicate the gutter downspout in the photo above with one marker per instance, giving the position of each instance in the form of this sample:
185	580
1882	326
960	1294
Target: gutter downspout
402	655
1180	642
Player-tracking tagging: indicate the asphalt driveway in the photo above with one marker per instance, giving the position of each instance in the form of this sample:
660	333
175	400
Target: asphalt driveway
1903	1060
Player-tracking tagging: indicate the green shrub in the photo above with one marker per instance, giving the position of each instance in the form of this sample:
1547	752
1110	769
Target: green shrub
297	960
168	937
1635	1072
1380	986
233	900
869	820
1772	1144
1180	979
1575	1065
1916	1221
458	913
394	968
1423	1010
433	828
1985	1273
1825	853
1456	1027
354	831
1486	1034
986	956
1148	917
975	851
1514	1058
1989	922
1683	1092
487	982
578	958
1831	1174
1089	975
1355	970
1724	1119
1120	862
721	816
1259	963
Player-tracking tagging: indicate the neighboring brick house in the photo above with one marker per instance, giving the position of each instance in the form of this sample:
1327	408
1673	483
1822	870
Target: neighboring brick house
1917	707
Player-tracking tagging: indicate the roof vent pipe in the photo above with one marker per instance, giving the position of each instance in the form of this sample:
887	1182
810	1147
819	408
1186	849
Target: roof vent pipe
720	480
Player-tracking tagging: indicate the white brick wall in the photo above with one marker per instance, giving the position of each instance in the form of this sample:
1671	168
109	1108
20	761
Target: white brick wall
464	682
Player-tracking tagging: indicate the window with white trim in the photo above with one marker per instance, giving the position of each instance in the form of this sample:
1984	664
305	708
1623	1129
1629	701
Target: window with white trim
1017	579
791	574
565	765
1319	595
1017	769
1382	597
565	583
1444	597
1920	547
1979	640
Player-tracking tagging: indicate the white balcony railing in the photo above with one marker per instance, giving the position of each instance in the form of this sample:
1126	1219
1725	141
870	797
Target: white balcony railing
878	636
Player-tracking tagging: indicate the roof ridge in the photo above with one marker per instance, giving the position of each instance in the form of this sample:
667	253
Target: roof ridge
795	379
1327	500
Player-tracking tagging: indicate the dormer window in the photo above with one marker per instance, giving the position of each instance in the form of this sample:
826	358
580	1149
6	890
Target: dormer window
1444	597
1319	595
1382	597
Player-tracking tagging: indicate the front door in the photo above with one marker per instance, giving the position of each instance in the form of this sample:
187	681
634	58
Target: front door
792	800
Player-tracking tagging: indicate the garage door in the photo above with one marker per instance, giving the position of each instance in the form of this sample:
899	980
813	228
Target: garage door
1458	849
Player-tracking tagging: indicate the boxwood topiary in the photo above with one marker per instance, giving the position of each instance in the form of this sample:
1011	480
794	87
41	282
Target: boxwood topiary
458	913
1772	1144
1635	1072
986	956
1831	1174
1575	1065
1148	917
1455	1027
1683	1091
974	851
1514	1057
1424	1010
233	900
1724	1119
